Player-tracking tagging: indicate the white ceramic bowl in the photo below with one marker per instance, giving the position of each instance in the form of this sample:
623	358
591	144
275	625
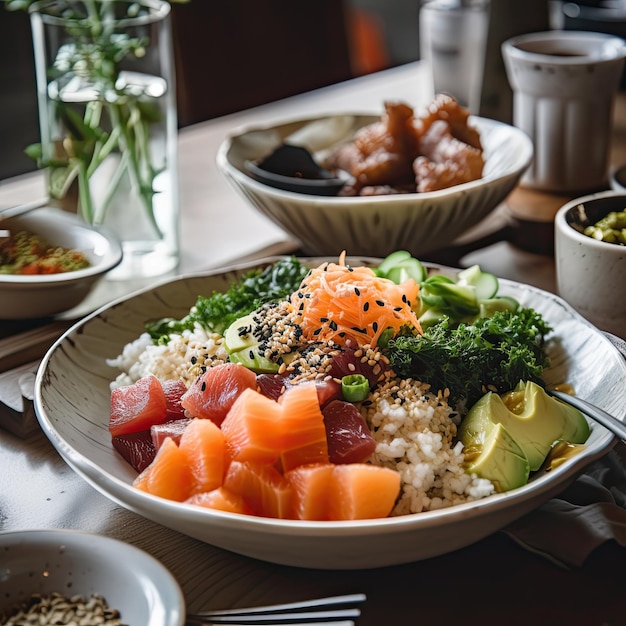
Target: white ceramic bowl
41	295
590	273
72	563
376	226
77	424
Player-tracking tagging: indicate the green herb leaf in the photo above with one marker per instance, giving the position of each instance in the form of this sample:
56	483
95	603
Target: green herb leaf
217	311
495	352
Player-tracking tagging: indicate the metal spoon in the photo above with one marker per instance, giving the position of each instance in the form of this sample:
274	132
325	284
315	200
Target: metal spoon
595	413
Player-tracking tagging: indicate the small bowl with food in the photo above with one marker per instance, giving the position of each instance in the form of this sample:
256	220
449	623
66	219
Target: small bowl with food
590	248
370	183
66	576
49	261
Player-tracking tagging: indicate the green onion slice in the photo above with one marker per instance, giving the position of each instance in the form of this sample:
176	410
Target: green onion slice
355	387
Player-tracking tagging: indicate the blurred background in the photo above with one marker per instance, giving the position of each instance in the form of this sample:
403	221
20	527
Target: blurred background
241	53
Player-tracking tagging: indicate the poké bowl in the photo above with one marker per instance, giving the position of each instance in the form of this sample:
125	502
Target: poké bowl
69	568
24	296
372	225
73	396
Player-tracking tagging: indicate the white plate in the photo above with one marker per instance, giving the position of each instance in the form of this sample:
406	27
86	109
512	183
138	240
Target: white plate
72	404
72	563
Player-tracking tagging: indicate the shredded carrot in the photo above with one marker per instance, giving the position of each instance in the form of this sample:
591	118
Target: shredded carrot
339	303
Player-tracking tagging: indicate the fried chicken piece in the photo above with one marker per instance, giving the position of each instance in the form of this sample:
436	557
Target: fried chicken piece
447	109
445	160
382	153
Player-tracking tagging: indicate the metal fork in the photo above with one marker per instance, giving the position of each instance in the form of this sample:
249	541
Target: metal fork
331	611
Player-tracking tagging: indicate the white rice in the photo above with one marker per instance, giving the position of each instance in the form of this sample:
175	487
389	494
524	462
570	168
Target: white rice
415	432
181	358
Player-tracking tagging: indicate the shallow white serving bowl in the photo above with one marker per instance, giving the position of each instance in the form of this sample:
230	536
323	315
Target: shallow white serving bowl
23	297
375	226
72	403
72	563
590	273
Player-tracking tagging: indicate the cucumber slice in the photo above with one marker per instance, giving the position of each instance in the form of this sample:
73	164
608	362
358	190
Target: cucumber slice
469	275
411	268
430	317
400	266
485	284
502	303
390	261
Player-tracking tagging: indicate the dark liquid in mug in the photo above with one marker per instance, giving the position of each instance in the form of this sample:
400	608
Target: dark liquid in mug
564	54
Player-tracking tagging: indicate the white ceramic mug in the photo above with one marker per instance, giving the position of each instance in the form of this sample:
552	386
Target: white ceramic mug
590	273
564	85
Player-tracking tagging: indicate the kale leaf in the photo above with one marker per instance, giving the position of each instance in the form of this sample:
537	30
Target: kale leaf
491	353
216	312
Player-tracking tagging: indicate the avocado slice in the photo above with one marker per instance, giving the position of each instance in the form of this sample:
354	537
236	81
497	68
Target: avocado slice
253	360
243	347
493	453
530	416
537	420
239	335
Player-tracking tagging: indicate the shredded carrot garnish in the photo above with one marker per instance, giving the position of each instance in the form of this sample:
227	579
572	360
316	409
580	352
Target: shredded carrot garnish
339	303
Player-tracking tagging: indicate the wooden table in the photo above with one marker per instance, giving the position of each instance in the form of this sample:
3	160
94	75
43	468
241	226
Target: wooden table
492	582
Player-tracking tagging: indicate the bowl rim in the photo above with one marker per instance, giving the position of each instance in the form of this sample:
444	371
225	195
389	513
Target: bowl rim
110	259
564	227
523	159
613	48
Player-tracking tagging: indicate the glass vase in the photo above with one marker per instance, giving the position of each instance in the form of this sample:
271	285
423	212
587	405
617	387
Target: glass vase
107	111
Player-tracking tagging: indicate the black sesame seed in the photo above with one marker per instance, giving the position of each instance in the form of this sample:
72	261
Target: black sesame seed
375	326
194	360
357	291
323	319
317	331
404	298
366	306
380	303
203	386
333	325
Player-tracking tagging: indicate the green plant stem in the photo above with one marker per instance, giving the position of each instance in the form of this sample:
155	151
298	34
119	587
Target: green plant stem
145	191
86	205
112	187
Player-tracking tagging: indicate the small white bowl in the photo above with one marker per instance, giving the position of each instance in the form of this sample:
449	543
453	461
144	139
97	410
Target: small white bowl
40	295
374	225
73	563
590	273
